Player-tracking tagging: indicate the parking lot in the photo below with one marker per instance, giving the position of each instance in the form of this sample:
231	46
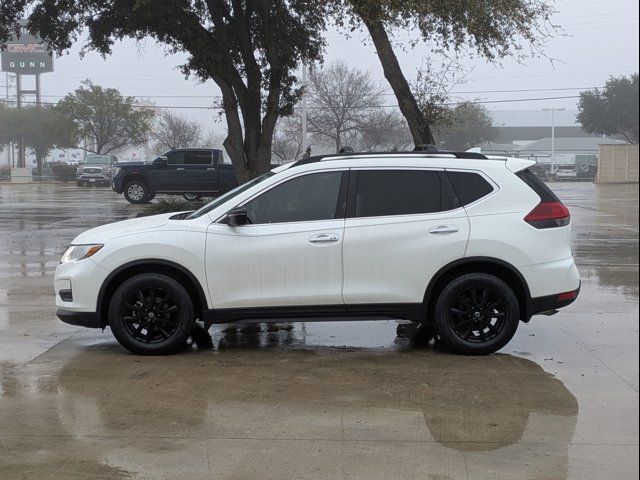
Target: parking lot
351	400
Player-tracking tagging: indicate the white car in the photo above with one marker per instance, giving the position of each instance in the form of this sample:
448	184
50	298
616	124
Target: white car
472	244
566	174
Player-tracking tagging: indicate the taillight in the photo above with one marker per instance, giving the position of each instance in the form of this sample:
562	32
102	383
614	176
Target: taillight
549	215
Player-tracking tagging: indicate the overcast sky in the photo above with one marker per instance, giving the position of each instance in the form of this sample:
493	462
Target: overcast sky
601	40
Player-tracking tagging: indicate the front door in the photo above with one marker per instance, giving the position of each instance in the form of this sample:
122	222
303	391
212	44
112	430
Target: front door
290	254
403	225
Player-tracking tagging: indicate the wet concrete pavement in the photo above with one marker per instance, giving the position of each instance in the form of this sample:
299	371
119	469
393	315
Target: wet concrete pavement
317	401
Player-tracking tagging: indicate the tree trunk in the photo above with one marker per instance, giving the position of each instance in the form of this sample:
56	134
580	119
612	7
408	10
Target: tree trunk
38	163
420	129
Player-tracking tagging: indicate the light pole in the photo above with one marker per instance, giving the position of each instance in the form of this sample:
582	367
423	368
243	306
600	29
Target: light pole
304	107
553	111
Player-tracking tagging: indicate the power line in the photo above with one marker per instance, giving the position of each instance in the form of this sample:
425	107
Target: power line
517	90
203	107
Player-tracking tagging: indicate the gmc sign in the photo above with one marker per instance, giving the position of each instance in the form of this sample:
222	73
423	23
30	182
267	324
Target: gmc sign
26	55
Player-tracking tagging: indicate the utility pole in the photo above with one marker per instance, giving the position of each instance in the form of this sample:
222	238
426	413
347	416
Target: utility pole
553	111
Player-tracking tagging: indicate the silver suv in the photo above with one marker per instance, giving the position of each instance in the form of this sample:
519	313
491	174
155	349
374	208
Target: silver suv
96	169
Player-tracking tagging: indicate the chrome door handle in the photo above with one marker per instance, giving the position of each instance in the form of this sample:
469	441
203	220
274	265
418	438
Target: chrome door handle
442	229
179	169
324	238
211	169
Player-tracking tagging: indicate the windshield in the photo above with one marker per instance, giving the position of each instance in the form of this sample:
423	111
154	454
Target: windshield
229	195
92	159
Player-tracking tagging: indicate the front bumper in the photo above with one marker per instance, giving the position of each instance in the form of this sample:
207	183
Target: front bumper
117	185
82	319
94	178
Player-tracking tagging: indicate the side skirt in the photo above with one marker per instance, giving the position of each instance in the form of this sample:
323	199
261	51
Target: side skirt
405	311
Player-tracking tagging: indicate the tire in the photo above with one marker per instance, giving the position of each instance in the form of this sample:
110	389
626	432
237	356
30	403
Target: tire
136	192
191	197
151	314
476	314
80	184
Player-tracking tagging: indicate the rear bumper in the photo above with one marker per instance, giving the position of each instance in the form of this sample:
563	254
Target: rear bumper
82	319
551	303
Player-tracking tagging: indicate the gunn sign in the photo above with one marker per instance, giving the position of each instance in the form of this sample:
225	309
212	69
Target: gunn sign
26	55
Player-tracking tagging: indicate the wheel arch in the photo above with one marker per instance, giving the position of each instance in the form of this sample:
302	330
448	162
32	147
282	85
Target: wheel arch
176	271
493	266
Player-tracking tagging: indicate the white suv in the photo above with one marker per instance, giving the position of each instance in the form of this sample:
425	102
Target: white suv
469	243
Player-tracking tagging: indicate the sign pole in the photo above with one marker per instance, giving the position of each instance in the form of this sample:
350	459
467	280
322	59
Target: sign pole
21	152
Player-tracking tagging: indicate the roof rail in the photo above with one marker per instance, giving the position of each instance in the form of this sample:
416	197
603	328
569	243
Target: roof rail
425	153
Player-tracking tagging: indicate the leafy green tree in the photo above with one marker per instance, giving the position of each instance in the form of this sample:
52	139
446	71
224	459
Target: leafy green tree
249	48
493	30
612	110
41	128
468	125
105	119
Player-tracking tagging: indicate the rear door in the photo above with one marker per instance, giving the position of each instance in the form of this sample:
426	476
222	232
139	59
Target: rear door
402	226
201	171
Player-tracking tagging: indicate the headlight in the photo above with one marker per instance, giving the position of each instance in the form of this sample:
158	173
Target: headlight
79	252
115	171
79	169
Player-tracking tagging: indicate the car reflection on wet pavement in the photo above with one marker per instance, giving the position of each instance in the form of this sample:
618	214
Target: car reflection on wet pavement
327	400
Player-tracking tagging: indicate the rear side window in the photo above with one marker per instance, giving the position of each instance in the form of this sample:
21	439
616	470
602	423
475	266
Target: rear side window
400	192
537	185
197	158
469	186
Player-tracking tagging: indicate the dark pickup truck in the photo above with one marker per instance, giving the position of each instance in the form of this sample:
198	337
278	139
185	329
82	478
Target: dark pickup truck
191	172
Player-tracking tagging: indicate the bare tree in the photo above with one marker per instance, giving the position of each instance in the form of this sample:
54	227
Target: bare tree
384	130
173	131
287	141
433	90
342	99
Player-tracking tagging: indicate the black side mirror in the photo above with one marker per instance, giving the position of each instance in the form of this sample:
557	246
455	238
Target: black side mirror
237	217
161	162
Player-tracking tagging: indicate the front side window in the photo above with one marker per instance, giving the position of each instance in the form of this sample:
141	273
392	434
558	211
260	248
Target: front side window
175	158
301	199
401	192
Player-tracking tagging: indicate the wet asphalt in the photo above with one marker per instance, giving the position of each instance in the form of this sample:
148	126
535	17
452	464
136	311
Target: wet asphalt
351	400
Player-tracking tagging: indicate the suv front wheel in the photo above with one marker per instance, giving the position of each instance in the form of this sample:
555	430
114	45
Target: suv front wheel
136	192
476	314
151	314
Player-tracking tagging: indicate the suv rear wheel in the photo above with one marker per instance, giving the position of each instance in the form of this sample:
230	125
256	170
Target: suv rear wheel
151	314
136	191
476	314
191	197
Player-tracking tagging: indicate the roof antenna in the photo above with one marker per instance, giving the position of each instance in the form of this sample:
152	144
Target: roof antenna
346	150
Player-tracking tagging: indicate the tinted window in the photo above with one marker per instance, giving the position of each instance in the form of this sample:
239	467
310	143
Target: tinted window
310	197
197	158
175	158
469	186
401	192
537	185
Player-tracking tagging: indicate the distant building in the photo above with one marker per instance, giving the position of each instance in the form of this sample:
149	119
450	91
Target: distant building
524	126
527	133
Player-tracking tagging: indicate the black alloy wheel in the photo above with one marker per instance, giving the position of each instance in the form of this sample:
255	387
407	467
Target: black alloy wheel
151	314
477	314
